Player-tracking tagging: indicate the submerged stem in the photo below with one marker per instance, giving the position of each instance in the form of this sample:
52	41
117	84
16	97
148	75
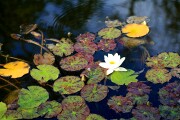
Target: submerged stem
7	56
9	83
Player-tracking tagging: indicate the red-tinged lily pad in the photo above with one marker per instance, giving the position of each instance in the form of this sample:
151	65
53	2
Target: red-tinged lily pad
94	117
120	104
75	113
154	62
73	63
29	113
94	92
158	75
138	99
94	74
109	33
169	95
72	102
13	114
138	88
175	72
49	109
68	85
144	112
86	37
88	57
64	47
106	45
85	47
169	113
46	58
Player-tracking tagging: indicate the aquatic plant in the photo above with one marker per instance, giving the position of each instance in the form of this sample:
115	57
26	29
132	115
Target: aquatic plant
138	99
85	37
137	19
113	23
109	33
3	109
46	58
106	45
94	117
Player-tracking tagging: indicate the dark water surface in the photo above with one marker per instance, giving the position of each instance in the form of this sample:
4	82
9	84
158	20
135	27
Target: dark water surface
58	17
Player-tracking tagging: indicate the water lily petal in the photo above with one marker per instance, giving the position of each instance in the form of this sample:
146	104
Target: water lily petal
110	56
120	69
121	61
104	65
109	71
106	59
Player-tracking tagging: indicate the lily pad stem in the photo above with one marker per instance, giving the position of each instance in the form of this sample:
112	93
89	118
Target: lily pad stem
7	56
42	41
9	83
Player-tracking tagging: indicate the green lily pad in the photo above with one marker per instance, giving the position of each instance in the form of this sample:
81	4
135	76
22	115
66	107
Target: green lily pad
94	117
154	62
49	109
120	104
64	47
169	113
109	33
94	92
45	73
94	74
3	109
33	97
73	63
158	75
14	114
68	85
29	113
123	77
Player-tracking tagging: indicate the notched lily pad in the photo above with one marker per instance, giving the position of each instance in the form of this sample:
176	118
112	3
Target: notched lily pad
45	73
94	117
125	77
158	75
73	63
94	92
86	37
120	104
64	47
106	45
46	58
32	97
49	109
68	85
109	33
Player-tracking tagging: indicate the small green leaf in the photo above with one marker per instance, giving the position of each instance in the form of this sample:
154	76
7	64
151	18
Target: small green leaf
94	117
109	33
29	113
45	73
3	109
33	97
120	78
68	85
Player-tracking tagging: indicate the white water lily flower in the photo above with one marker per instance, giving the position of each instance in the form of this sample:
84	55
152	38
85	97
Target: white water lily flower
112	63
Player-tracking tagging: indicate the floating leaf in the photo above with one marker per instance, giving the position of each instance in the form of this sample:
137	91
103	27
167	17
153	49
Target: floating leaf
144	112
109	33
13	115
158	75
169	113
73	63
106	45
85	47
3	109
29	113
120	78
49	109
45	73
135	30
15	69
113	23
120	104
138	88
47	58
154	62
175	72
88	57
94	117
137	19
12	97
138	99
64	47
32	97
86	37
94	74
94	92
169	95
68	85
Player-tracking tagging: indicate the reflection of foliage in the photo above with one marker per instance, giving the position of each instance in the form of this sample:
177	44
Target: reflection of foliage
68	85
109	33
94	117
94	92
45	73
138	99
120	104
158	75
73	63
144	112
86	37
169	113
169	95
46	58
121	78
33	97
138	88
106	45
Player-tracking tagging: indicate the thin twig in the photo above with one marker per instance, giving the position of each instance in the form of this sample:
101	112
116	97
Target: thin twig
7	56
4	86
9	83
42	41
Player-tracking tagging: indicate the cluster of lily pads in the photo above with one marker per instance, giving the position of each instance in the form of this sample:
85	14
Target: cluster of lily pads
86	84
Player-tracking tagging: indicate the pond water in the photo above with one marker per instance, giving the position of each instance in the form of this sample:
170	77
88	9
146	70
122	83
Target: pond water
58	17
